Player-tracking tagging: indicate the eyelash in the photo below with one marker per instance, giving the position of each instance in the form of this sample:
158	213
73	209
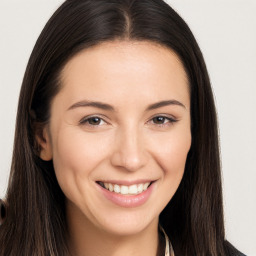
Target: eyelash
170	120
86	120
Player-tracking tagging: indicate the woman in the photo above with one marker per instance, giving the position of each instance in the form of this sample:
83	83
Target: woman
116	147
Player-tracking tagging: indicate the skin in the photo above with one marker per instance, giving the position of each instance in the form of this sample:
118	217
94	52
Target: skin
126	144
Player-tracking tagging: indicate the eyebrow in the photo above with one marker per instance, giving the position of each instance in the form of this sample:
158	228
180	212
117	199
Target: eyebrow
95	104
165	103
105	106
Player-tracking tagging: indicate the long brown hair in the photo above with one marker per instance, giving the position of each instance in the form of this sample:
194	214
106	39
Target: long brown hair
35	223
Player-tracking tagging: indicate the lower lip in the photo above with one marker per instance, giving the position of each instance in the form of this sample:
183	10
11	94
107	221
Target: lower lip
128	200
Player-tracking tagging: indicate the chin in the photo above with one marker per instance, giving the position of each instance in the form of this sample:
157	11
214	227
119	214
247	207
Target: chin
127	224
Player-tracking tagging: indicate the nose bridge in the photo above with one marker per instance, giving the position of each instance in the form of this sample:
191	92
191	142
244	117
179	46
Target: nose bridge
129	150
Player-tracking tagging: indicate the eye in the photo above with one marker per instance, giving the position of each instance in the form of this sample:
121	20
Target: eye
163	120
92	121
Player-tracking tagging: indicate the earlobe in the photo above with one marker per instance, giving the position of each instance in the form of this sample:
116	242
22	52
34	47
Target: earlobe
44	144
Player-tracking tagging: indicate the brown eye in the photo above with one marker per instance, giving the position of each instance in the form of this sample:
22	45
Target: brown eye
163	120
159	119
94	121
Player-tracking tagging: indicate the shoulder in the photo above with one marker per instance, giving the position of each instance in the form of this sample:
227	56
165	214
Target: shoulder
231	250
240	254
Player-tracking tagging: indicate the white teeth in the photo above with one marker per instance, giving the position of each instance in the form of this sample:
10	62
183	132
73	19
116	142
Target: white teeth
124	190
110	187
140	188
133	190
145	186
127	190
117	188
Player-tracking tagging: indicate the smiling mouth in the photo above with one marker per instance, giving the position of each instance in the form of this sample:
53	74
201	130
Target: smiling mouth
134	189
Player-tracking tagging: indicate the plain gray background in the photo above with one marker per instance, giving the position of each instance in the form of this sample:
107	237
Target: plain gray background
226	33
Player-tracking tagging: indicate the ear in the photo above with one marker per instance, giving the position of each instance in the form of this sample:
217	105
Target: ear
44	143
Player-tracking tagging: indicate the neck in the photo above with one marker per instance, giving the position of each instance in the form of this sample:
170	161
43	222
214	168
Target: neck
87	239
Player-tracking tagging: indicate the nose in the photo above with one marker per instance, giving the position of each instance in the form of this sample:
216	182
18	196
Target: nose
129	151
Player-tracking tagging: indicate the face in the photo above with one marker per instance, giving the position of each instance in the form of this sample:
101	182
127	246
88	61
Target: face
119	134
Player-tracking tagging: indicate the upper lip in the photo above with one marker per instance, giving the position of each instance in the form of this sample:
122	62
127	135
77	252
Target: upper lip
127	182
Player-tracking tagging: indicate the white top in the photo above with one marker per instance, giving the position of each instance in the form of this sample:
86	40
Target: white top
168	246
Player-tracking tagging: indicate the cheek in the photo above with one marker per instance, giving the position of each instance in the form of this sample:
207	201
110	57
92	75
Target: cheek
172	158
175	157
172	153
76	156
76	150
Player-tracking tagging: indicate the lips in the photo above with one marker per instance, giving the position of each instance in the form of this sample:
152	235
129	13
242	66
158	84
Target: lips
126	195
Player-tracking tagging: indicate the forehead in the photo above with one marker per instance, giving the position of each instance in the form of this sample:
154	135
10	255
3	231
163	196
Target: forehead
124	68
146	51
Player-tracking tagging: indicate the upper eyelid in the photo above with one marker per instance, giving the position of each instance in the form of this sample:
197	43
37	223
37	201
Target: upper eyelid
92	116
167	116
100	116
